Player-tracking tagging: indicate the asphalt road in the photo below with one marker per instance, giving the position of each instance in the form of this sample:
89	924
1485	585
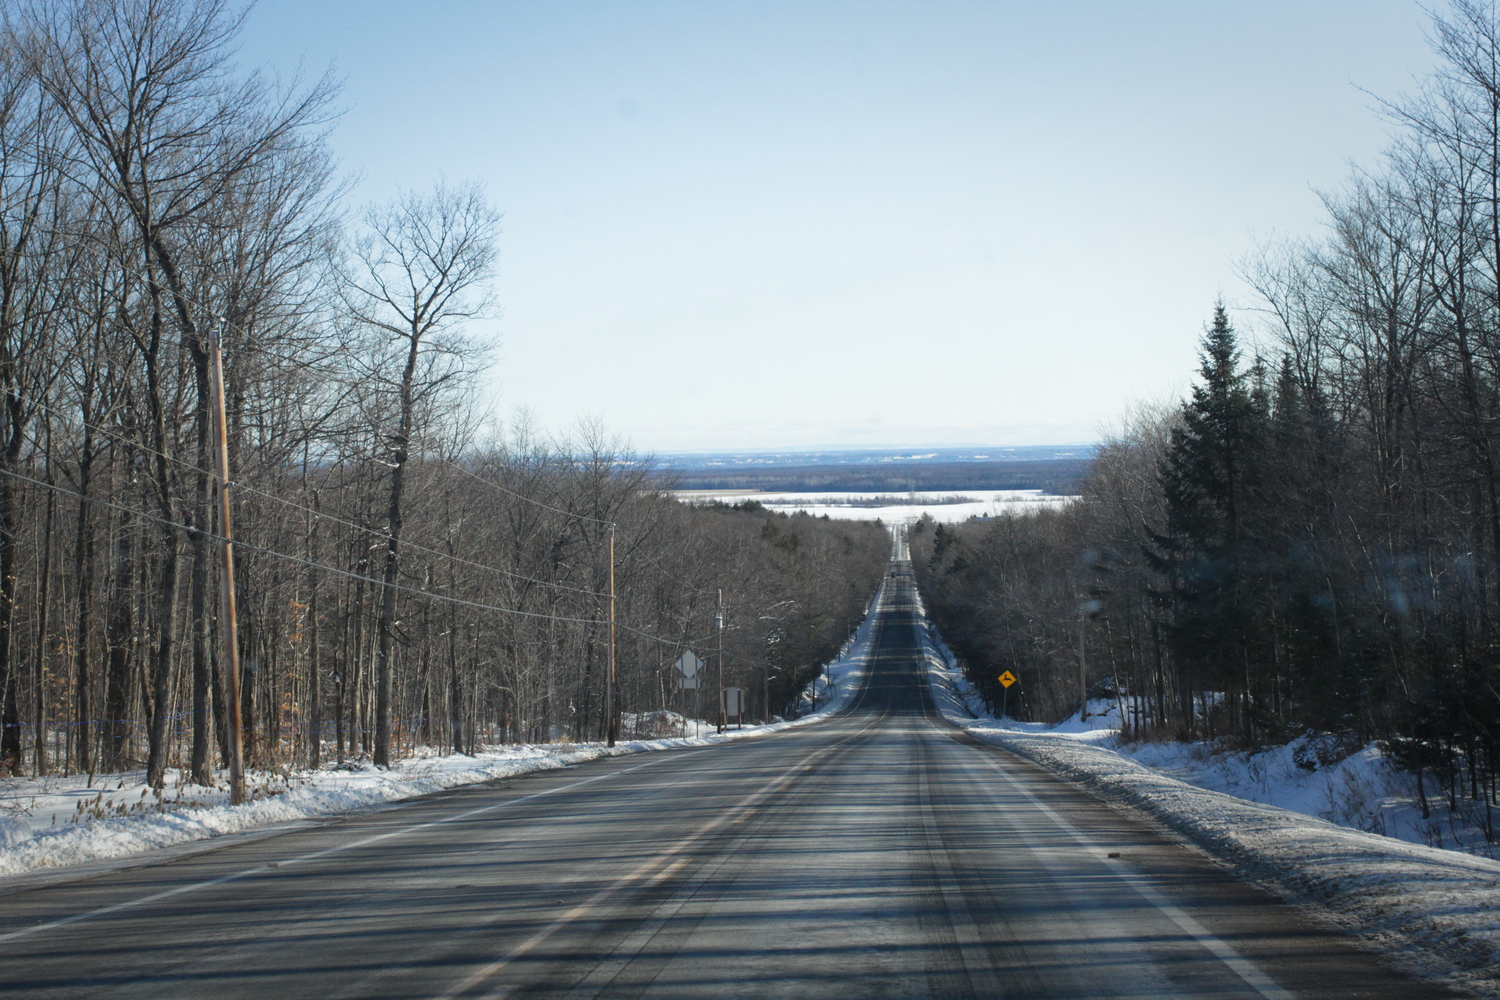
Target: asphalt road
879	854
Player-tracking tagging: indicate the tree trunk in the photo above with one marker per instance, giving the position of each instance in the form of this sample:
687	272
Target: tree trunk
315	679
44	605
83	572
10	741
387	634
119	636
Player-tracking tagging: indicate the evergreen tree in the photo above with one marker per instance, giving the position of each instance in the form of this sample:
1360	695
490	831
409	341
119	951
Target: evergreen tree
1210	548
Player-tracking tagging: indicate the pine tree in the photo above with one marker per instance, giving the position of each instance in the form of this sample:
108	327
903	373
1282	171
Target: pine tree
1209	548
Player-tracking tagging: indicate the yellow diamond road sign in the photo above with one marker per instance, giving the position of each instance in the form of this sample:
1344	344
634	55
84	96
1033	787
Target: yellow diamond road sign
1007	678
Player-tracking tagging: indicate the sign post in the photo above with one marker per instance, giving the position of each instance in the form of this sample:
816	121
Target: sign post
688	665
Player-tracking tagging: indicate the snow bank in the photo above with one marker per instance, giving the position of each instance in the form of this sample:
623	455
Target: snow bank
844	677
1357	787
54	821
1433	911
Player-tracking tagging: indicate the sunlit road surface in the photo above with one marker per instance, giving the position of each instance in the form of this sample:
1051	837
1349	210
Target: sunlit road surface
875	855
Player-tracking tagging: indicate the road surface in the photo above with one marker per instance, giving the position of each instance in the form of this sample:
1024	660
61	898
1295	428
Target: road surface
879	854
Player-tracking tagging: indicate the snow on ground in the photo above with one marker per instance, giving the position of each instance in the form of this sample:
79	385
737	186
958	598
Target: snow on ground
56	821
1313	775
1434	912
949	506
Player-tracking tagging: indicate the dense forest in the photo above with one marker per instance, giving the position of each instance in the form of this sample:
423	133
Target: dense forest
404	573
1311	540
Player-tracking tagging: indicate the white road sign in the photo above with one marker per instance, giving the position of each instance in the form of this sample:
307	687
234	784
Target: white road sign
688	664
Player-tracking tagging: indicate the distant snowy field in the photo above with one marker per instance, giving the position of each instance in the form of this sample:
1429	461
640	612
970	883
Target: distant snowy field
942	505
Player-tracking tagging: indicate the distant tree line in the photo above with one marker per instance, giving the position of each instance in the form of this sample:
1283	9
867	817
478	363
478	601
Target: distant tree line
1312	539
1059	476
402	578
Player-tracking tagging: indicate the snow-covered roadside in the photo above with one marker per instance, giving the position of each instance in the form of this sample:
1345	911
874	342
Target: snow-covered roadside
1435	912
53	822
1357	787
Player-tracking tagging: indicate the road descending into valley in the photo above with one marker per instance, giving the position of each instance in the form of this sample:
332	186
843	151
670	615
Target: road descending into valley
879	854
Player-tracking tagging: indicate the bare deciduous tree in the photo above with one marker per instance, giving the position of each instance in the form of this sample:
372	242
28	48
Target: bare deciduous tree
418	273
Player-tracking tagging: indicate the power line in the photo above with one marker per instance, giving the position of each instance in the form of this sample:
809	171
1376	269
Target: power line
249	349
379	533
298	559
584	517
518	496
99	501
140	275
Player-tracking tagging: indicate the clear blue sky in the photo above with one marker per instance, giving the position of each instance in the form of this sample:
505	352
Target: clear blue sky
738	225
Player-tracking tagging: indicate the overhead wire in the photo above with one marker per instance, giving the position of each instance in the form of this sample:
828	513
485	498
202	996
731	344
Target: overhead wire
211	313
619	625
556	510
139	274
312	564
377	532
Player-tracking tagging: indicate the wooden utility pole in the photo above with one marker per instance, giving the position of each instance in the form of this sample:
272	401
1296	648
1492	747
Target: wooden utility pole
1083	673
611	724
229	627
765	703
719	624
